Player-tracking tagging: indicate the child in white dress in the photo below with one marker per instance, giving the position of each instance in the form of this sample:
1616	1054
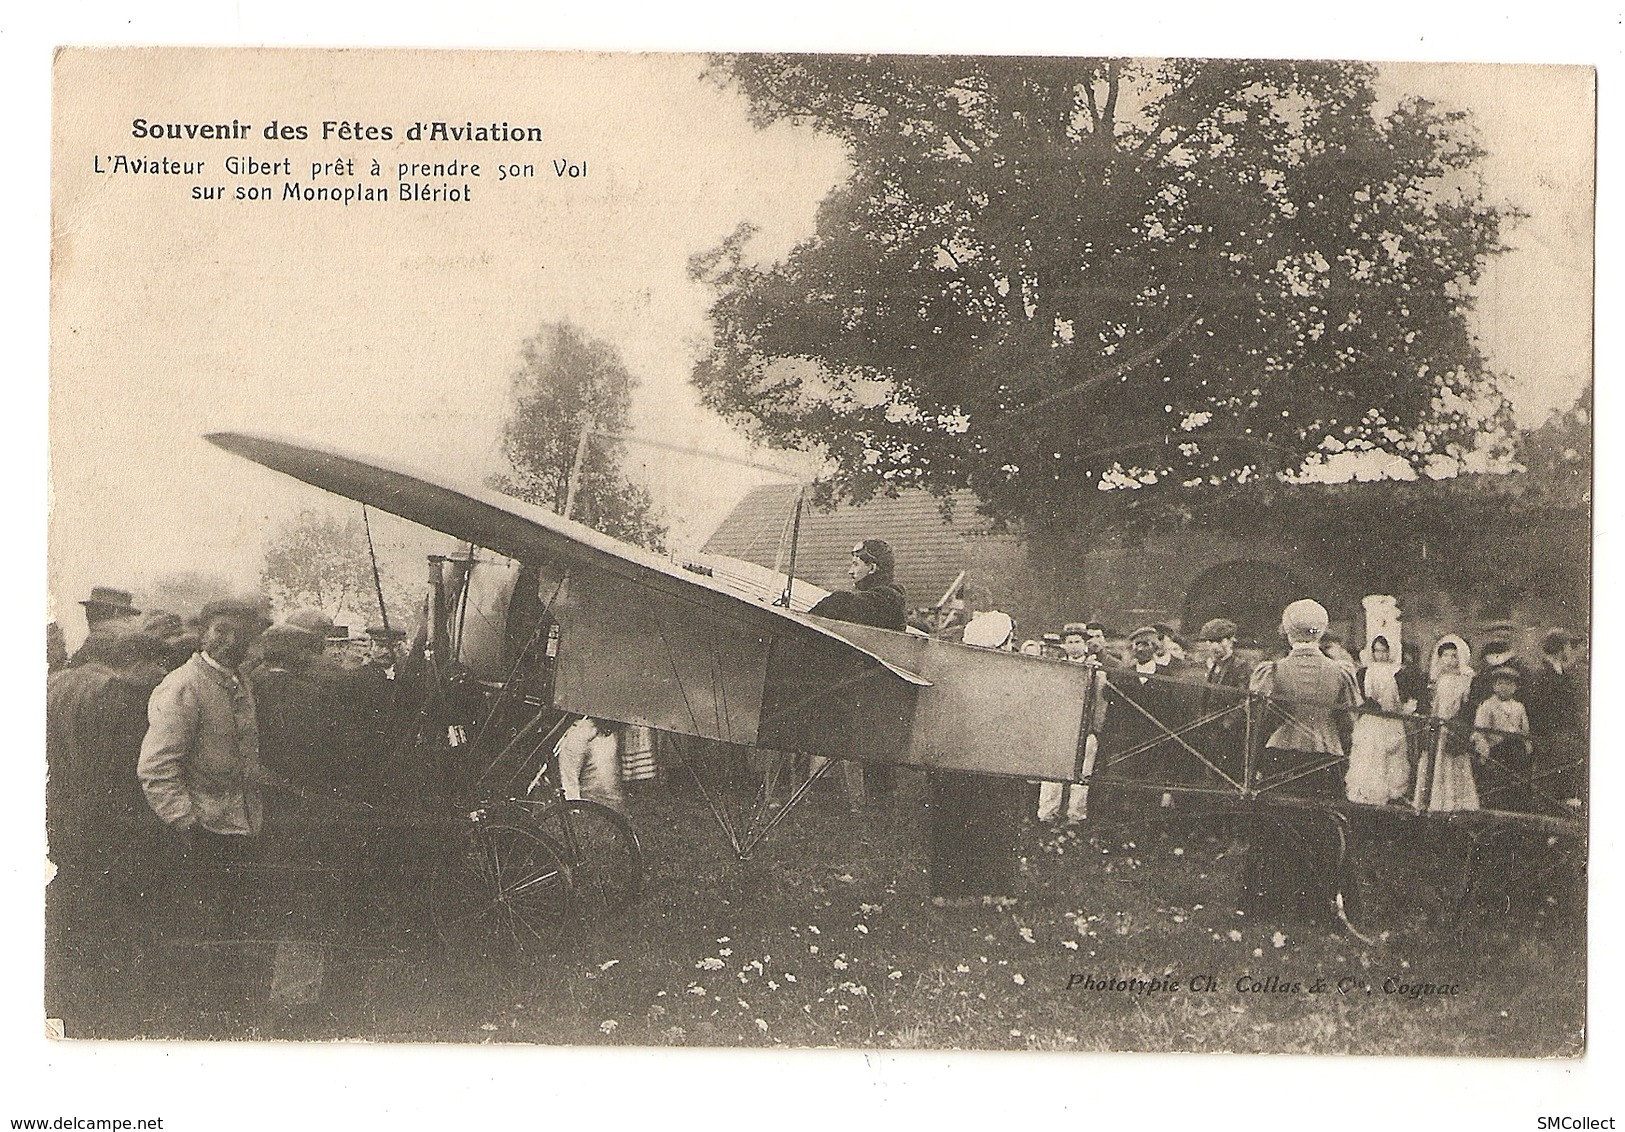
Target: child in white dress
1453	787
1379	759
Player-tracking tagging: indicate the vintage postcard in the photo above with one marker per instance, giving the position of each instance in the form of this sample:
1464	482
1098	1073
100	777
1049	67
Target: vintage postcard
877	552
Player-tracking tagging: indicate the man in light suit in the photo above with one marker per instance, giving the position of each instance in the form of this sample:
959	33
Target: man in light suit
201	773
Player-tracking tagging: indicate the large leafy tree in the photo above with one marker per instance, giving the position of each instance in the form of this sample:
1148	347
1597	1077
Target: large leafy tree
1049	276
569	383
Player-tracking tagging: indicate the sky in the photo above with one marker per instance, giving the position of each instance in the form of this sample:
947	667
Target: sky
389	329
205	518
393	329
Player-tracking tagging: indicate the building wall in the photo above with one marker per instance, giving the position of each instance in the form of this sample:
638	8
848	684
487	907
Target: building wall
1126	583
1182	578
1045	583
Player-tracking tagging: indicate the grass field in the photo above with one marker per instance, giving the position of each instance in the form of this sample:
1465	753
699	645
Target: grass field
826	937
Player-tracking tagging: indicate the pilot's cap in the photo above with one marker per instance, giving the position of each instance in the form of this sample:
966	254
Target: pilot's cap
1305	616
876	552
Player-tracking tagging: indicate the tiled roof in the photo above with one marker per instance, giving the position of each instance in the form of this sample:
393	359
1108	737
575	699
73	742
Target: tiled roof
930	551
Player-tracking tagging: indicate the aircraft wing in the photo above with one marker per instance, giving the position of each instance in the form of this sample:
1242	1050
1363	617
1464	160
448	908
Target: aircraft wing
641	640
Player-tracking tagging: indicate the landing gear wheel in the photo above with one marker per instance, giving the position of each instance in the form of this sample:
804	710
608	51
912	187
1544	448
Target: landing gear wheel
502	887
606	861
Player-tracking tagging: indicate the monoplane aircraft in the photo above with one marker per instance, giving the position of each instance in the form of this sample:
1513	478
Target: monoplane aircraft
701	652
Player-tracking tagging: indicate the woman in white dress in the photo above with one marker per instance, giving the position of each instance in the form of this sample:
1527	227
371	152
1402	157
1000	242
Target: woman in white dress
1379	760
1452	680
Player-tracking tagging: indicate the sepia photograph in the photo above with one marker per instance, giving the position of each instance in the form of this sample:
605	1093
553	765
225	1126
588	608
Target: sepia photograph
801	551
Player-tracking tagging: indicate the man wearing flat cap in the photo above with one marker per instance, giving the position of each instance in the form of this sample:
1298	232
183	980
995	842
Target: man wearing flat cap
200	769
318	632
1224	668
1141	706
1311	690
1226	683
1554	694
379	697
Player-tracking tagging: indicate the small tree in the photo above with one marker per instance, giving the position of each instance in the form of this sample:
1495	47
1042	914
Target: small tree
318	560
568	383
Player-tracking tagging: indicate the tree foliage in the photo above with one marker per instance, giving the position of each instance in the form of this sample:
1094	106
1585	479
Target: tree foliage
1557	454
1049	276
568	382
320	560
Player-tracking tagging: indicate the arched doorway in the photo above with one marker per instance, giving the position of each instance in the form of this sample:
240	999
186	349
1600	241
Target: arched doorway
1249	592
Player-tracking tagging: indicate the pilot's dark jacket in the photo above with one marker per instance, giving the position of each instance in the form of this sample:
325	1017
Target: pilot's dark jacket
873	601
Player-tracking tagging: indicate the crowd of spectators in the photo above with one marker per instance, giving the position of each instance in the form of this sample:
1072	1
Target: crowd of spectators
190	759
194	766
